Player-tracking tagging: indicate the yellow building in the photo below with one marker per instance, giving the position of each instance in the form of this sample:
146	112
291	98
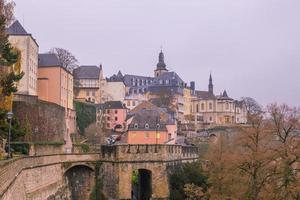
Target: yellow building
23	41
87	83
210	109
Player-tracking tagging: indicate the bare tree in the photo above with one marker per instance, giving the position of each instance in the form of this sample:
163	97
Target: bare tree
252	106
284	123
262	161
7	9
66	58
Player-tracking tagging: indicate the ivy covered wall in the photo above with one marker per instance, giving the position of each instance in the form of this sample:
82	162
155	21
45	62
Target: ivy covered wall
86	115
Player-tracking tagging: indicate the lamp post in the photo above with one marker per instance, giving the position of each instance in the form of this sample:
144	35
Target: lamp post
9	117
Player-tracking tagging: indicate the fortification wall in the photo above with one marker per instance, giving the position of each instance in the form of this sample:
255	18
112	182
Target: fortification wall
44	121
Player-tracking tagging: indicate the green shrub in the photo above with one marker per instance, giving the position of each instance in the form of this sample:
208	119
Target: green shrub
86	115
190	173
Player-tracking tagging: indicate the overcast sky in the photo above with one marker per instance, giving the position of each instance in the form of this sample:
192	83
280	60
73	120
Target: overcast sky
252	47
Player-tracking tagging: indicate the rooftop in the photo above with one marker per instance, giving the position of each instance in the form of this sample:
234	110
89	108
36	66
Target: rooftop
16	29
48	60
87	72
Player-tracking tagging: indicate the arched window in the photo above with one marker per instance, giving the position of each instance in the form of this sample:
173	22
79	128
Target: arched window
210	106
202	106
197	108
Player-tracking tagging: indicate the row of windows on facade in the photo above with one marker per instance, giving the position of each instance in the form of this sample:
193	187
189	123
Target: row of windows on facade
91	93
108	118
89	83
32	66
210	119
140	82
143	82
131	103
136	126
138	91
32	82
108	111
210	107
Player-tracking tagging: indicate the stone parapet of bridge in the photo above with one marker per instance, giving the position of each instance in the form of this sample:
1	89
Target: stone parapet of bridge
9	170
148	153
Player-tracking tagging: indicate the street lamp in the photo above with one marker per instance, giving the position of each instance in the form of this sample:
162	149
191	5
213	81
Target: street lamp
9	116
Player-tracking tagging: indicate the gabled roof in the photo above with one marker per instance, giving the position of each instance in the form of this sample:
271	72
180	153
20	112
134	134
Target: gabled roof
16	29
164	114
205	95
87	72
147	117
224	96
48	60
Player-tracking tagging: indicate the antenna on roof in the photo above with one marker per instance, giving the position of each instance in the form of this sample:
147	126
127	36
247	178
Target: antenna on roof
23	20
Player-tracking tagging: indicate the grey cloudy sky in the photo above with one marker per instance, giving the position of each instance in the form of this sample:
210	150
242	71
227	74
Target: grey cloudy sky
252	47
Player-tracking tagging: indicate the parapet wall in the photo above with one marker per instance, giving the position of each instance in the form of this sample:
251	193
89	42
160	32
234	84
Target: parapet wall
10	170
146	153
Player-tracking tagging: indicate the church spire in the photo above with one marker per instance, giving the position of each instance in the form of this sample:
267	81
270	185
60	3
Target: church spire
161	65
161	61
210	85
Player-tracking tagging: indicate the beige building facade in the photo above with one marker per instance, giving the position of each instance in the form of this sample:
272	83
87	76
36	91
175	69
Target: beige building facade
87	83
55	84
27	45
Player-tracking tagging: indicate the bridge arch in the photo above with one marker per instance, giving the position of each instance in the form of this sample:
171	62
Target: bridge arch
141	184
80	179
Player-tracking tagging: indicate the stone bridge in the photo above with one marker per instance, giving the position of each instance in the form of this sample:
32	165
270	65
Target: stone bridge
108	174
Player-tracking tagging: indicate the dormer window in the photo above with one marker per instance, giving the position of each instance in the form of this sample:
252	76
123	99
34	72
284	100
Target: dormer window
157	126
147	126
136	126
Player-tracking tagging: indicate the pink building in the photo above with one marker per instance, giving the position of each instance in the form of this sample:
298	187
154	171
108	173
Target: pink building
115	116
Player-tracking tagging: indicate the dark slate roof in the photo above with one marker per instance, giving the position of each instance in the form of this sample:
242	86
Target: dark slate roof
224	96
205	95
167	82
48	60
114	105
16	29
173	77
150	117
128	79
100	106
116	77
87	72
